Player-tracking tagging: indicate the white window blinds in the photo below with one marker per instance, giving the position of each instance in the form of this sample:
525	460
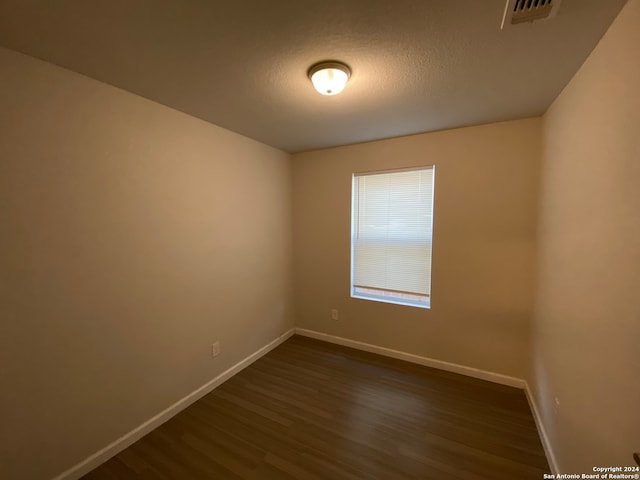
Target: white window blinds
392	220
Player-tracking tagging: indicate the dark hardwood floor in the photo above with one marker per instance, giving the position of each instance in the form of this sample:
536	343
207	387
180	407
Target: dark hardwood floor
312	410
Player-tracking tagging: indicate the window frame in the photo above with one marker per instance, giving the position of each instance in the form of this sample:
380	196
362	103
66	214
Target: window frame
394	297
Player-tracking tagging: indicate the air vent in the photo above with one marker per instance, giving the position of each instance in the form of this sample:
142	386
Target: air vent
527	11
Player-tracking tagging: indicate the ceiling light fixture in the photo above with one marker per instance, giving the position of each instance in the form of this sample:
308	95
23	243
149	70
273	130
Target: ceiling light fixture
329	78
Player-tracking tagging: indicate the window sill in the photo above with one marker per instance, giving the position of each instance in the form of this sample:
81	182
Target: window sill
406	303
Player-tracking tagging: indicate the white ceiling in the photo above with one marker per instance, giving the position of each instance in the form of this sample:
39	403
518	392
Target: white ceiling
418	65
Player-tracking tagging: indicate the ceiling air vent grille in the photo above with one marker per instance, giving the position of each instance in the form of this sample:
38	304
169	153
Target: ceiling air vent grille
523	11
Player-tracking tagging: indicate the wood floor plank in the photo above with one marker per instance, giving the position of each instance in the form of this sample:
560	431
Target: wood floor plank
310	410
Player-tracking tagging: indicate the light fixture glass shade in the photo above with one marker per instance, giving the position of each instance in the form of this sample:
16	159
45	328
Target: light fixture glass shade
329	78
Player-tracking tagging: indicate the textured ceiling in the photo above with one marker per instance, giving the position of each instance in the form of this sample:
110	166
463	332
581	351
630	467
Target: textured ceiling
418	65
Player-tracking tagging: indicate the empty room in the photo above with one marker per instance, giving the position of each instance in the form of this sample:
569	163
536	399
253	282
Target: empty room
341	240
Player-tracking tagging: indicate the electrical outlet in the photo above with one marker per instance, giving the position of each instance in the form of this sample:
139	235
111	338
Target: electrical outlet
215	349
334	314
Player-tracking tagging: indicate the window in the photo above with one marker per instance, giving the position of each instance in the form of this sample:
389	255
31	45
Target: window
391	235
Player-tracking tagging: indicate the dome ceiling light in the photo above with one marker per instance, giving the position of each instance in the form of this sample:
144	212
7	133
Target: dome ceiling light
329	78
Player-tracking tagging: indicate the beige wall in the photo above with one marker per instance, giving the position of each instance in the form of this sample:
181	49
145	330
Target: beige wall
587	323
132	236
483	245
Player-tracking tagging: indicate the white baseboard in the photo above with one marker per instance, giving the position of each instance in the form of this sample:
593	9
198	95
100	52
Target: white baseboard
410	357
137	433
544	438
